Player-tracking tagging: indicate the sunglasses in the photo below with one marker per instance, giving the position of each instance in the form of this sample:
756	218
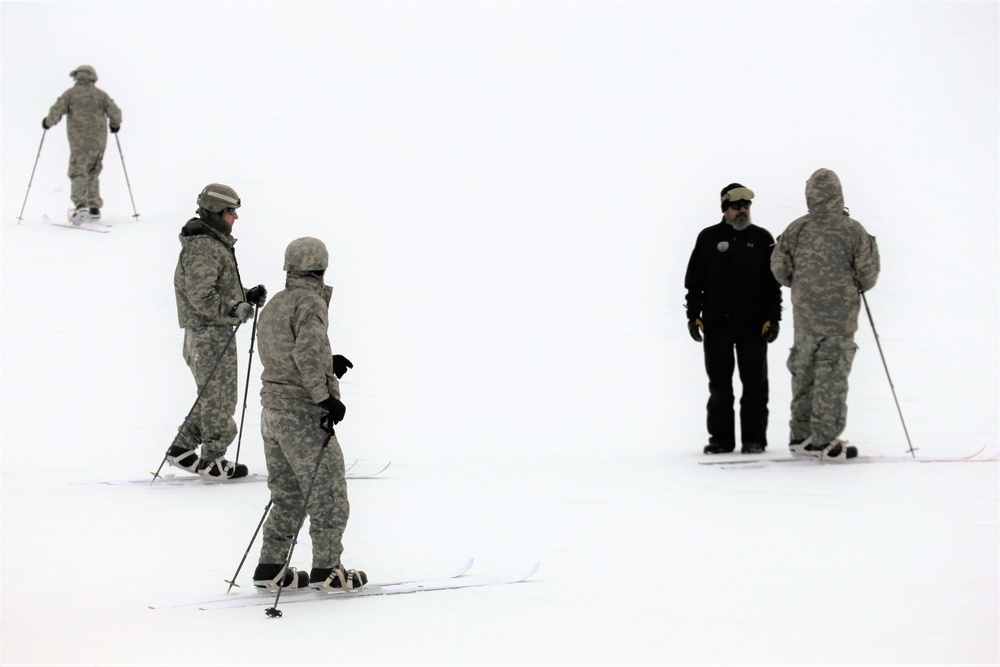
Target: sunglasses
230	211
738	205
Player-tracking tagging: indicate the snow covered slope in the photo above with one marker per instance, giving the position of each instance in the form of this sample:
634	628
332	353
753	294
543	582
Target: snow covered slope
510	192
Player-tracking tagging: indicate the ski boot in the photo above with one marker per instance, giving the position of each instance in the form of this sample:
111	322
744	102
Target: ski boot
327	579
221	469
79	215
185	459
269	577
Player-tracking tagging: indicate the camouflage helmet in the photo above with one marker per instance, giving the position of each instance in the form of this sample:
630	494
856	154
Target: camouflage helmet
217	197
306	254
84	73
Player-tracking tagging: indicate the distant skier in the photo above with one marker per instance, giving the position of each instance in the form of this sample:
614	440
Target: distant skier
211	300
734	303
300	395
90	114
828	259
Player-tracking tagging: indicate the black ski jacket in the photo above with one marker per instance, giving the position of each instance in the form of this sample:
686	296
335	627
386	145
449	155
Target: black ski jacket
729	280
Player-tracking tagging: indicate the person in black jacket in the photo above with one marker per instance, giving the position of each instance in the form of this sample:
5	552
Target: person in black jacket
734	302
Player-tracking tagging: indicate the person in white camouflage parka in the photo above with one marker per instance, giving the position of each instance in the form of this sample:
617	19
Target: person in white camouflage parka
300	395
90	113
211	301
828	259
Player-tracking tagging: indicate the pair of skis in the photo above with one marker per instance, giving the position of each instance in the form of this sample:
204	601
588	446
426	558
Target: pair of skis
749	461
171	479
81	221
452	581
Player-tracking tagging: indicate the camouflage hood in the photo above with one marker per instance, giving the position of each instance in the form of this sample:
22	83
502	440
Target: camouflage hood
824	193
311	281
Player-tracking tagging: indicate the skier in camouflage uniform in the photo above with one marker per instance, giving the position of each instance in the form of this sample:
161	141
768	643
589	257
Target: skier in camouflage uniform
87	107
211	301
300	395
828	259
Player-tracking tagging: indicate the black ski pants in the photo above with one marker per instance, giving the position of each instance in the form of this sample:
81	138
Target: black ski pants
751	359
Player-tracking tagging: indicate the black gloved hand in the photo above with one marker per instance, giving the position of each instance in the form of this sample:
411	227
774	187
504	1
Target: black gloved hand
45	123
340	365
257	295
114	128
696	328
242	310
769	332
335	411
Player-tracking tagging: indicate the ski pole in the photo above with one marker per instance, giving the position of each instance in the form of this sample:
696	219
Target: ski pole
232	582
30	180
253	336
891	385
135	214
201	392
274	612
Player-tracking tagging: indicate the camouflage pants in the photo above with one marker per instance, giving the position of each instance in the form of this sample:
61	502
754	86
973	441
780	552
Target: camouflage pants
211	424
84	168
292	441
820	366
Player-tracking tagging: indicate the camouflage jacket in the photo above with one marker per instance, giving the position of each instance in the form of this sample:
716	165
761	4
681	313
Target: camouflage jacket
207	279
87	107
827	258
294	344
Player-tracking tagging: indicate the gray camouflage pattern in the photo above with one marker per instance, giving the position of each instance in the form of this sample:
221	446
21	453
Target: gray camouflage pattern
211	424
820	366
292	441
207	279
294	348
88	110
827	259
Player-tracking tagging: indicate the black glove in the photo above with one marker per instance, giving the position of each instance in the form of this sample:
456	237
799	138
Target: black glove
340	365
45	123
695	328
335	411
242	310
769	332
114	128
257	295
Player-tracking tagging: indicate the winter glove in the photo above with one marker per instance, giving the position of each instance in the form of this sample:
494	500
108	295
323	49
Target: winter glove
769	332
696	328
335	411
45	123
340	365
242	310
114	128
257	295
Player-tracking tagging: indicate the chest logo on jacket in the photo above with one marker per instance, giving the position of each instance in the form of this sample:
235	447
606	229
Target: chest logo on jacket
723	246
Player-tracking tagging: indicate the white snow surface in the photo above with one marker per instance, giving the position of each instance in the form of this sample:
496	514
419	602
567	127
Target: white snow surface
510	192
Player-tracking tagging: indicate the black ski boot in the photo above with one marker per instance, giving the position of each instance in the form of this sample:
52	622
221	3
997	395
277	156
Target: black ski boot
838	450
185	459
220	468
327	579
268	577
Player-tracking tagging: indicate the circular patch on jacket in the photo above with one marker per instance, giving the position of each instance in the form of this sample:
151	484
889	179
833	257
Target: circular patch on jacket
723	246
